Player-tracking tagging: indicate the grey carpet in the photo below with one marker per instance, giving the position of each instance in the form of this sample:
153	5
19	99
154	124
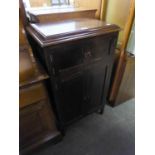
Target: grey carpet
112	133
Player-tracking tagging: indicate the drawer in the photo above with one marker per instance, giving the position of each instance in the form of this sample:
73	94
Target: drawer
65	56
35	123
97	48
72	55
31	94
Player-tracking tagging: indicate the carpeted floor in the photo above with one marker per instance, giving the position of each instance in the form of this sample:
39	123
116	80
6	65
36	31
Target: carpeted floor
112	133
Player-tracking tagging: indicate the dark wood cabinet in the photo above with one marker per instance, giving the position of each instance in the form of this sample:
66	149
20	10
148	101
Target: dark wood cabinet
79	59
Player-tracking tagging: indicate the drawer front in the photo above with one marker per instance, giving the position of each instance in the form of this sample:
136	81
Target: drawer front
31	94
97	48
70	55
64	57
36	122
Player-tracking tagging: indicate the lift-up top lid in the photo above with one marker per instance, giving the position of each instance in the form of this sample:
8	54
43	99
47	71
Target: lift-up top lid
52	33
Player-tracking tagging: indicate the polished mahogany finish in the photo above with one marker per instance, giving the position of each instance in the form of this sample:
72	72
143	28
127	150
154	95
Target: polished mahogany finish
47	34
78	55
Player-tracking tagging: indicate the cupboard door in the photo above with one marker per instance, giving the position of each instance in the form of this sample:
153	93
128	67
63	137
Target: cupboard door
70	97
95	86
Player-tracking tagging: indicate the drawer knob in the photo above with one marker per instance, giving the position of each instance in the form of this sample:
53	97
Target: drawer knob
88	54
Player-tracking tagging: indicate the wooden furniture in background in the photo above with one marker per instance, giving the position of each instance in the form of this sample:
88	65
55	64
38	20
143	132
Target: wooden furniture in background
36	119
78	55
93	4
22	24
127	86
119	72
22	14
50	14
103	10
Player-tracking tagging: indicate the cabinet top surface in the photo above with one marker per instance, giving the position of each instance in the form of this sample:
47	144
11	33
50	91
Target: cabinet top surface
69	28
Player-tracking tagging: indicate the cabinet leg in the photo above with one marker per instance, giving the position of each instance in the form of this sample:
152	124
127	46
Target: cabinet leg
61	128
63	131
101	111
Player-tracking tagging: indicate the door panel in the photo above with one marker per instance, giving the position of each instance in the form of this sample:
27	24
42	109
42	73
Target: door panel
70	97
94	86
